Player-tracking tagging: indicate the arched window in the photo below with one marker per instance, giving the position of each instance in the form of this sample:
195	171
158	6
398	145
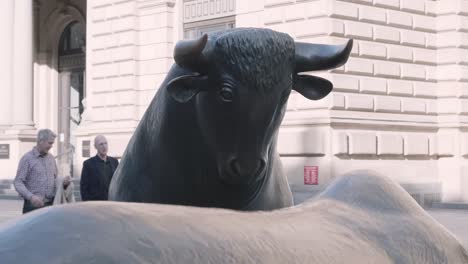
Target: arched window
72	60
72	40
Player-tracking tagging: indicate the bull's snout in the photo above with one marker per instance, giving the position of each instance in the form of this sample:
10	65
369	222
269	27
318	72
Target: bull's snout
246	170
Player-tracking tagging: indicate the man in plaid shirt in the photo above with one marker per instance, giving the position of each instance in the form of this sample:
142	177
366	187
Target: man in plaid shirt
37	173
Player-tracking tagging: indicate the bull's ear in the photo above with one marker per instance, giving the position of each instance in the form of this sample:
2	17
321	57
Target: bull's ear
312	87
184	88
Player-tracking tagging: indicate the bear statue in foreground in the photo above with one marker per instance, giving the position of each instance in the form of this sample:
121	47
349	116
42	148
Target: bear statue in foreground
359	218
209	136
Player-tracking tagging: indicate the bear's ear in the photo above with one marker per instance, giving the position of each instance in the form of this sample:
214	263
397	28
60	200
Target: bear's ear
312	87
184	88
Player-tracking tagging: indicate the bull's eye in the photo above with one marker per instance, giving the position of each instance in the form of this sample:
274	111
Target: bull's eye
226	94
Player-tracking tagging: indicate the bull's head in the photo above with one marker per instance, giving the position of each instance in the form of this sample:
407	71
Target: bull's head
241	82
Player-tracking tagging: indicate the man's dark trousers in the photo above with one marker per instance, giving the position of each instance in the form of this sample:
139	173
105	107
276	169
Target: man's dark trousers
28	206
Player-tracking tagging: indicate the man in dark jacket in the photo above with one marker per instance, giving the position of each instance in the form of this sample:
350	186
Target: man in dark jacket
97	172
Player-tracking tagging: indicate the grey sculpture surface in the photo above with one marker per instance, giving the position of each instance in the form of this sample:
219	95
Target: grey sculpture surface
209	136
359	218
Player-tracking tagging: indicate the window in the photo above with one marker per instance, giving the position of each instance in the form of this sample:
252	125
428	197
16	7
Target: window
197	29
72	40
207	16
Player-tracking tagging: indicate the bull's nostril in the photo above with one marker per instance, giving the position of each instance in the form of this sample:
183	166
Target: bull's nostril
235	166
260	166
253	168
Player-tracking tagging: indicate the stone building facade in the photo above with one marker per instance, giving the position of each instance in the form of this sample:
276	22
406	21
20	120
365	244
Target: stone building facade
399	106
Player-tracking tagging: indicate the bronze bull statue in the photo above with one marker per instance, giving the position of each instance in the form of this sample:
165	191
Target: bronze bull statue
359	218
209	136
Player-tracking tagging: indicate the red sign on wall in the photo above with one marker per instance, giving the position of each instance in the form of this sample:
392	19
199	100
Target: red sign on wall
311	175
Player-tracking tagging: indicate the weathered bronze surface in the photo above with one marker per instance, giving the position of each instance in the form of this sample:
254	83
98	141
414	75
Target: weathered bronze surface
359	218
209	136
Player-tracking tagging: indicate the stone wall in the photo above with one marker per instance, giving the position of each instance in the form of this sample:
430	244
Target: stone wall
129	52
401	88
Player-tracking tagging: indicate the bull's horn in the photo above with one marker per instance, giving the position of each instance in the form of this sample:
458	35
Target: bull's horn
188	53
315	57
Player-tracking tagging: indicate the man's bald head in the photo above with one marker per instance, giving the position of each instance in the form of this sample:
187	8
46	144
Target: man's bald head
100	143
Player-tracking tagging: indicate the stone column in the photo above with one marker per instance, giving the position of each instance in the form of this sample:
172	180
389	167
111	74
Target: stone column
6	53
64	111
23	65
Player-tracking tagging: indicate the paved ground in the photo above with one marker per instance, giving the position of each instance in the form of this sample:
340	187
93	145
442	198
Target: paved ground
10	209
454	220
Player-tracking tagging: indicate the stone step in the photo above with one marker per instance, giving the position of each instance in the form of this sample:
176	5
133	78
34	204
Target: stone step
6	186
10	197
6	181
454	205
8	192
17	197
